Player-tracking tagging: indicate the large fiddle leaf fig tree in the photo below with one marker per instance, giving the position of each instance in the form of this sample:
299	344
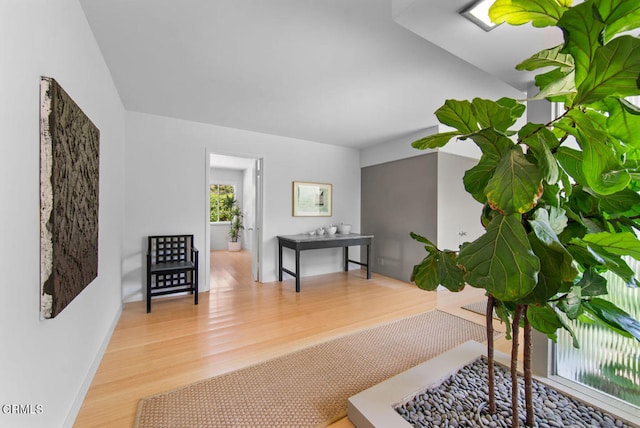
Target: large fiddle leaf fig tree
561	202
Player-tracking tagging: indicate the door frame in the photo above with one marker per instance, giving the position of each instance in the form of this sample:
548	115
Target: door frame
258	199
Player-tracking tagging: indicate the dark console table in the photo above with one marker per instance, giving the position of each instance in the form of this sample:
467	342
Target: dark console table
308	242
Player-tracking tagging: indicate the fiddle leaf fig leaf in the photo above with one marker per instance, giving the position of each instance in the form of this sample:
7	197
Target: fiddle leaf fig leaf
613	317
449	274
434	141
425	274
619	15
458	115
541	13
504	315
516	184
567	327
592	284
593	255
624	121
438	268
558	220
544	319
475	179
571	162
623	203
501	261
581	32
614	73
517	109
556	85
552	57
540	140
490	114
552	272
571	304
492	143
600	166
622	244
429	246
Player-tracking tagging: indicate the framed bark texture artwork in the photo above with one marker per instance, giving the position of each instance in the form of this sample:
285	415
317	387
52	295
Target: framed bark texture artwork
311	199
69	166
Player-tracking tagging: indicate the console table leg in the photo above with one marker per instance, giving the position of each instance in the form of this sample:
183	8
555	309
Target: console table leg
280	262
297	271
346	259
368	262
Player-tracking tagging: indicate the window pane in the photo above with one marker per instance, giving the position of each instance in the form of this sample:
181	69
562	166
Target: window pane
217	196
605	361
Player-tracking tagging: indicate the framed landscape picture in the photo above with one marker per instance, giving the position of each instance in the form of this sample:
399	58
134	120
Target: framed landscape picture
311	199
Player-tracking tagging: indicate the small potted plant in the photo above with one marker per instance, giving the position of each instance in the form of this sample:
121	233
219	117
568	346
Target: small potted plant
236	215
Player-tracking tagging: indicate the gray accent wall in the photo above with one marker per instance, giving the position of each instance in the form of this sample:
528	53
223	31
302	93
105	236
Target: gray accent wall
399	197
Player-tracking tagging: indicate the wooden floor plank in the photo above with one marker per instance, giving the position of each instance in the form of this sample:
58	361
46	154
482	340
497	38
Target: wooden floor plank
240	322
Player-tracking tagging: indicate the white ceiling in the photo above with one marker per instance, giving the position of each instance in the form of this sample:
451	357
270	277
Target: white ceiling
339	72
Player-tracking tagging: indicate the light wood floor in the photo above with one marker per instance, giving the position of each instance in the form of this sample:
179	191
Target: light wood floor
241	322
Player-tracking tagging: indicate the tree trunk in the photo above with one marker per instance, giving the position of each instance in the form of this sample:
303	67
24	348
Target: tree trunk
491	374
515	423
528	382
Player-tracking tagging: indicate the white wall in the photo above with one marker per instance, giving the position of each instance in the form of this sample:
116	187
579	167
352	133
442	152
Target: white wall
169	155
51	362
458	212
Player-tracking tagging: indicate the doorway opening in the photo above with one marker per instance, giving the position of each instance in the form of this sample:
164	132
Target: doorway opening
238	178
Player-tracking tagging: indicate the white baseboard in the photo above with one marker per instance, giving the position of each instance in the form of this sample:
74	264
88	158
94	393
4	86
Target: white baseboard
77	403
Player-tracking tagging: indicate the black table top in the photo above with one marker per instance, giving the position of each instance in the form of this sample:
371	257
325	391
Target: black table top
305	237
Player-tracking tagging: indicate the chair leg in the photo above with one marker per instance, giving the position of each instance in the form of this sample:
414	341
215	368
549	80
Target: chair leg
148	292
195	286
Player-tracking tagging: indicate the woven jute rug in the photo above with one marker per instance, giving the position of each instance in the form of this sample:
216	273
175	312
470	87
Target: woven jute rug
479	308
310	387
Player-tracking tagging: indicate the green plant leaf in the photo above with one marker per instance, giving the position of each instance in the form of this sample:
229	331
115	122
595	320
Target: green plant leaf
425	274
458	115
490	114
475	179
557	219
592	284
434	141
622	244
614	72
624	121
556	85
541	141
581	33
429	246
571	303
438	268
492	144
550	278
600	165
544	319
516	185
571	162
552	57
625	203
619	15
613	317
501	261
517	109
592	255
541	13
449	274
567	327
503	313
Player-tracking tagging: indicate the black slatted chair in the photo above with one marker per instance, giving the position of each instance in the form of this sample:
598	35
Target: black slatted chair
172	266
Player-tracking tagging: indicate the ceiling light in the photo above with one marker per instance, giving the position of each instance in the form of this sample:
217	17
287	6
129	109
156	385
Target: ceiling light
478	13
